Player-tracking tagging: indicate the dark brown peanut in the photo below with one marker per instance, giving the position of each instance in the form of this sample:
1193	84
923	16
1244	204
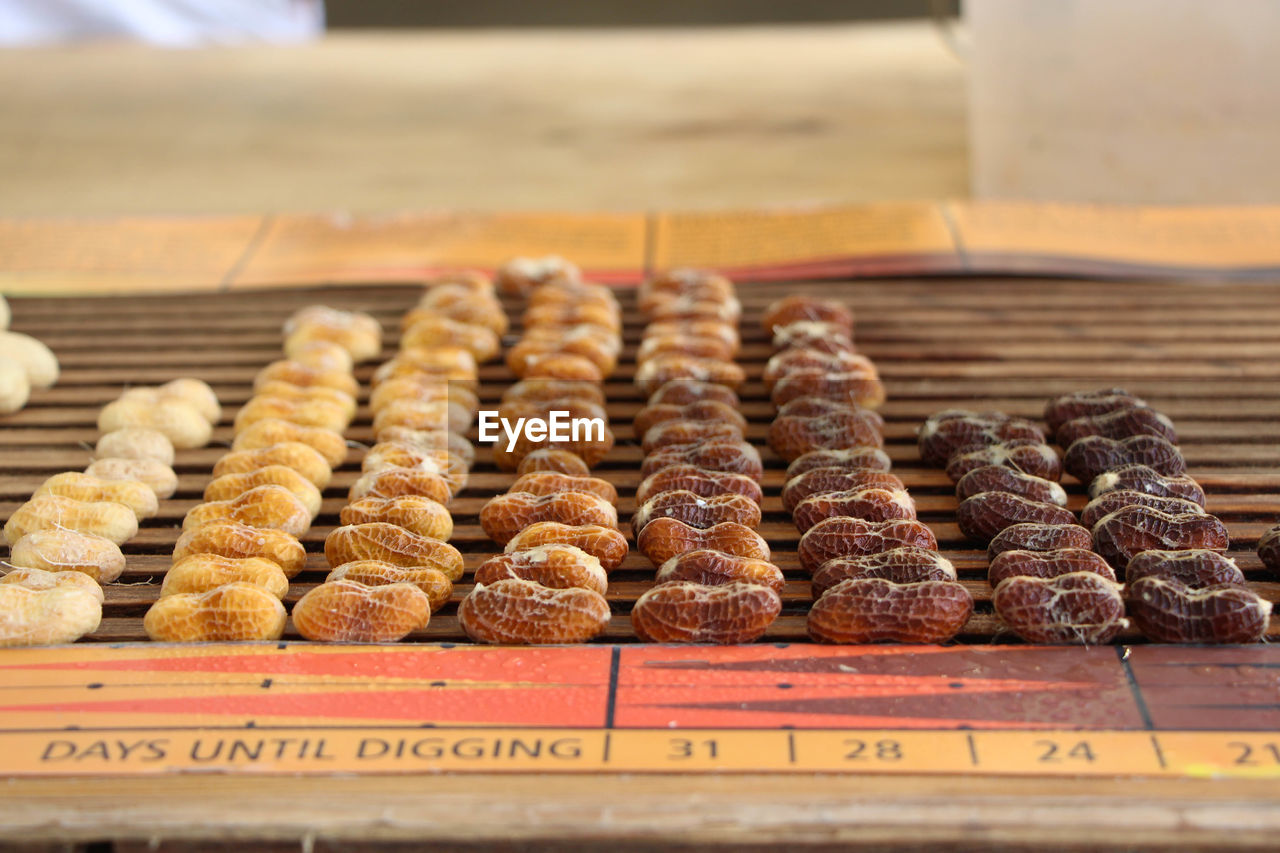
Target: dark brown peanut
792	436
810	334
661	369
670	433
1081	608
1197	568
701	481
1032	536
699	410
1025	455
716	568
391	544
817	481
1269	548
733	457
517	611
1082	404
853	387
1046	564
688	612
664	538
1093	455
1109	502
553	459
1142	478
997	478
900	565
958	431
696	511
790	360
812	407
606	544
798	308
870	504
506	515
1132	530
553	482
556	566
1168	611
853	537
684	392
848	458
984	515
876	610
1122	423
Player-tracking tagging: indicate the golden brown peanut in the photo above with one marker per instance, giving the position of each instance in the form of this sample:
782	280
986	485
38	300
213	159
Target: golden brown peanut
421	389
414	513
392	482
702	482
506	515
727	332
113	521
556	566
664	538
234	612
466	306
424	328
391	544
565	367
553	460
161	479
135	443
549	390
810	334
716	568
15	388
566	292
452	359
302	458
344	611
356	332
197	393
59	550
688	612
203	572
321	355
231	486
232	539
606	544
513	610
181	422
570	340
446	415
681	281
520	275
312	413
402	367
271	507
699	410
550	482
811	309
280	390
433	582
397	454
39	579
571	314
134	494
37	360
46	617
698	346
425	440
660	369
271	431
302	375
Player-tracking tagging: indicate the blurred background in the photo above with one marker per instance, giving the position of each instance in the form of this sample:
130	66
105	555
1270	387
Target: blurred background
196	106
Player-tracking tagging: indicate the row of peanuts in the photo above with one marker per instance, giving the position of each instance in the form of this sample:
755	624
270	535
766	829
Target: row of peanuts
391	566
557	523
65	541
874	568
698	505
25	363
240	546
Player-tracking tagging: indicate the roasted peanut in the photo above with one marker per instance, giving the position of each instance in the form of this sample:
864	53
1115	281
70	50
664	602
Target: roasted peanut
956	431
1025	455
180	422
686	432
135	494
393	481
37	360
1093	455
396	454
1169	611
520	275
506	515
135	443
534	390
112	521
1046	564
681	282
406	368
470	279
556	566
15	388
702	482
853	537
582	341
1134	529
687	612
234	612
272	431
571	314
466	306
389	543
565	292
1143	478
809	334
592	445
232	539
430	440
60	550
46	617
450	359
686	308
696	346
1109	502
801	308
1081	608
574	407
553	460
685	392
344	611
199	573
272	507
424	329
313	413
709	567
300	375
414	513
727	332
876	610
696	510
433	582
1034	536
792	436
908	564
713	411
606	544
1197	568
422	390
231	486
1269	548
847	458
997	478
874	504
303	458
664	538
304	394
732	457
159	477
790	360
987	513
565	367
1119	424
322	355
445	415
552	482
513	610
850	387
818	481
356	332
661	369
1081	404
41	579
813	407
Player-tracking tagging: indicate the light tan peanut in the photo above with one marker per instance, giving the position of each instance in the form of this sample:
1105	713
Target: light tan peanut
203	572
230	486
321	355
313	413
135	494
271	507
39	579
161	479
356	332
265	433
39	362
53	512
15	388
197	393
414	513
302	458
280	390
433	582
135	443
181	422
46	617
301	375
391	544
233	612
69	550
232	539
344	611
